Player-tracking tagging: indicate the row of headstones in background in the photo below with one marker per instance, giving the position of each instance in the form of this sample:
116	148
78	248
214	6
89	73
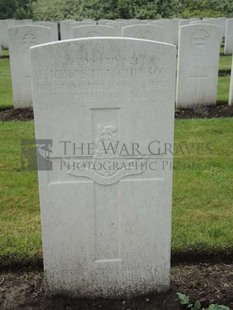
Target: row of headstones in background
169	29
168	33
170	26
6	24
66	31
198	59
150	32
24	37
101	237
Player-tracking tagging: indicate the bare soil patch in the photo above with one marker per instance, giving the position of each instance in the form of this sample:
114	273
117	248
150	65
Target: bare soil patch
10	114
220	110
211	284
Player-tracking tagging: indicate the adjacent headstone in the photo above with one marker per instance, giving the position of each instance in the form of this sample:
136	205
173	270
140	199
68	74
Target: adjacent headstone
184	22
20	40
88	20
118	24
198	61
220	21
136	22
171	29
147	32
77	24
106	227
228	47
213	21
207	23
52	26
93	31
4	33
64	28
103	21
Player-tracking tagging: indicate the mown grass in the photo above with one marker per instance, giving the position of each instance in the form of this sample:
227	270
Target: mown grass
6	97
19	208
203	196
202	200
5	52
223	88
225	63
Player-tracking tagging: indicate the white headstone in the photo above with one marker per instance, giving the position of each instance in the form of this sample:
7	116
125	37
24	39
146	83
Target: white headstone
93	31
19	22
52	26
213	21
21	38
198	61
103	21
136	22
4	33
148	32
171	29
77	24
64	28
88	20
4	29
184	22
228	47
220	21
118	24
107	227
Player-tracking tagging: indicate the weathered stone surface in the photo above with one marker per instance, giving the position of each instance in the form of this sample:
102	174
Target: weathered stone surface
65	28
94	31
52	26
171	29
147	32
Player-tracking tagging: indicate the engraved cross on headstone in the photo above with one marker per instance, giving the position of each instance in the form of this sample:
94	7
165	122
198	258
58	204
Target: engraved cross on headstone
107	182
198	78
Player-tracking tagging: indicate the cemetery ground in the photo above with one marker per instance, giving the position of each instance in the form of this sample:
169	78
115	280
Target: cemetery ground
202	243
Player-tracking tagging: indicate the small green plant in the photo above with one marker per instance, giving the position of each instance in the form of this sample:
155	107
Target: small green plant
184	300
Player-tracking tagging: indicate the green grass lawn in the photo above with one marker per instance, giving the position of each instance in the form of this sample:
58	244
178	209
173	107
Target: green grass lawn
225	63
5	52
6	97
223	89
202	200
